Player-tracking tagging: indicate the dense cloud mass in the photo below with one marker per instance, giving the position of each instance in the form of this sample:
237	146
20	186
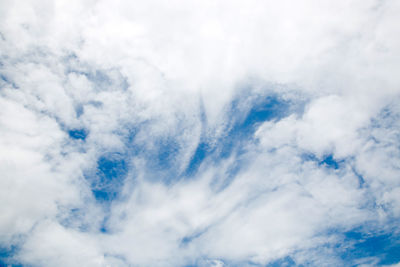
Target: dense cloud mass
199	133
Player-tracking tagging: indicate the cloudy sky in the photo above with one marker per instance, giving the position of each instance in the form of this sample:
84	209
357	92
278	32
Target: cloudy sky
199	133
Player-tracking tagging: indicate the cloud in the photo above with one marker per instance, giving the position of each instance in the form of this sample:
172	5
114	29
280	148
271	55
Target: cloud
208	133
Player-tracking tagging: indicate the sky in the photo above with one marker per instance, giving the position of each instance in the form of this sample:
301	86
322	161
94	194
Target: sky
200	133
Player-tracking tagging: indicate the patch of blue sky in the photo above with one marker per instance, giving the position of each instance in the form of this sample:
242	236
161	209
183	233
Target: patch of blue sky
166	154
385	247
377	249
245	115
112	169
264	109
6	256
79	134
328	161
245	118
202	151
203	148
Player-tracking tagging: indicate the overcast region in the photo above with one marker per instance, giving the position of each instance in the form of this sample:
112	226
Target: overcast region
200	133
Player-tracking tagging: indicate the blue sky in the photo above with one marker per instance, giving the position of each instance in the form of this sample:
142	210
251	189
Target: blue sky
213	133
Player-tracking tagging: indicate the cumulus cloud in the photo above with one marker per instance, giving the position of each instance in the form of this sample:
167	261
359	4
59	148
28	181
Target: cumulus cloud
212	133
